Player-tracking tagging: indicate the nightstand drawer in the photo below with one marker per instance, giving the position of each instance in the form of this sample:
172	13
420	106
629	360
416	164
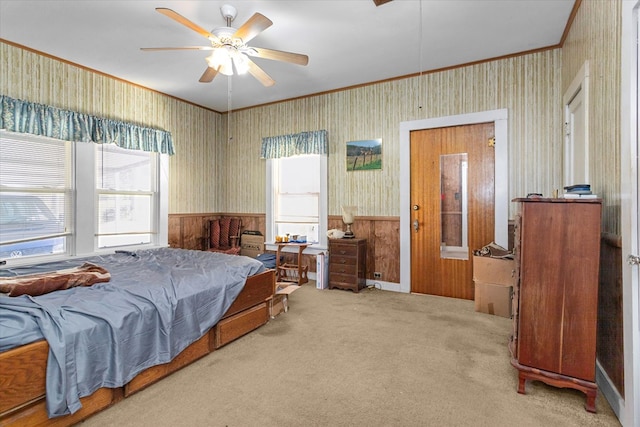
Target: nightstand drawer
351	269
347	279
343	260
338	249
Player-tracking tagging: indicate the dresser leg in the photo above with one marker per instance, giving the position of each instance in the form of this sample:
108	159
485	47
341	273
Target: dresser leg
522	382
590	406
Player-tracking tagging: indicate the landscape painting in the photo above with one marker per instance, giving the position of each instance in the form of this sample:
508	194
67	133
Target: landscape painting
364	155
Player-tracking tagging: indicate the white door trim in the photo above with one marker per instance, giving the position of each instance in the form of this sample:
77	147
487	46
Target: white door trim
629	411
501	234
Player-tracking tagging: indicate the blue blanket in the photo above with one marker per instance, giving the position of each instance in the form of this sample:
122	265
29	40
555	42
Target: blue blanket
156	304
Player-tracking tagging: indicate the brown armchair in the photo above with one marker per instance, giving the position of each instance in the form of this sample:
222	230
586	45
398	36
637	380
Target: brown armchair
223	235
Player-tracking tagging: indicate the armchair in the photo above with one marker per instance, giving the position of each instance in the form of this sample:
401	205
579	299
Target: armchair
223	235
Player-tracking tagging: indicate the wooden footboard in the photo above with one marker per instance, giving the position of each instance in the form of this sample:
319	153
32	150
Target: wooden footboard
23	369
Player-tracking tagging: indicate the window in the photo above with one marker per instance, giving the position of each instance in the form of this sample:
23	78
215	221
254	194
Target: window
35	196
297	198
60	198
126	193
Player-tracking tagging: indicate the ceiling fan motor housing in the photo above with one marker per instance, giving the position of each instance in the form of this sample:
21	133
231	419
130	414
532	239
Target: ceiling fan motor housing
228	13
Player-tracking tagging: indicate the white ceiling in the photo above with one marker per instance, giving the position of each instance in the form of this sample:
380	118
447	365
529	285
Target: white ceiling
349	42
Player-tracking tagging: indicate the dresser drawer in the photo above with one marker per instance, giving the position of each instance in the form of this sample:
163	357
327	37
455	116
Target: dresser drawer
346	279
343	260
338	249
351	269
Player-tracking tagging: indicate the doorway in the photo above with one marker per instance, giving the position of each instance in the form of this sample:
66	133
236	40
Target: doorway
452	202
628	409
501	177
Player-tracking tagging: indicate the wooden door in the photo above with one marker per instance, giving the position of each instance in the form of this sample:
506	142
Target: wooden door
431	202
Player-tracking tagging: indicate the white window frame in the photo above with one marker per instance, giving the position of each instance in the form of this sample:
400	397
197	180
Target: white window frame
271	207
83	241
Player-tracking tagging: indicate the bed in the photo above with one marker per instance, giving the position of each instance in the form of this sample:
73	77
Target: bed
70	353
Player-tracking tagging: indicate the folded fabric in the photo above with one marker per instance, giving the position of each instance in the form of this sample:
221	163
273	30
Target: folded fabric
493	250
37	284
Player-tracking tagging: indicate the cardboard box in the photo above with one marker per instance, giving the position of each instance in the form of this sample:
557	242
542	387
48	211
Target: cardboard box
251	245
280	301
494	270
493	298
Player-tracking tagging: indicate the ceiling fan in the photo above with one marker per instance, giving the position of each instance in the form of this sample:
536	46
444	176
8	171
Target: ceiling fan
229	46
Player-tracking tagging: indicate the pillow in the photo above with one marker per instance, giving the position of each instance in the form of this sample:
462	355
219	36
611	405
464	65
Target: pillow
38	284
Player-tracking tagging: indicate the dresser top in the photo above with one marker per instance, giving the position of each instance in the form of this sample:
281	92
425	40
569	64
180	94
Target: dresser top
556	200
354	240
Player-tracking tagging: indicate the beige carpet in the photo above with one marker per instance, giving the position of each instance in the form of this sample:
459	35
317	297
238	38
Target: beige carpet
370	359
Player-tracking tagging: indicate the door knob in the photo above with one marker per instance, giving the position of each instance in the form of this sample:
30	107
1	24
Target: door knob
416	225
633	260
416	207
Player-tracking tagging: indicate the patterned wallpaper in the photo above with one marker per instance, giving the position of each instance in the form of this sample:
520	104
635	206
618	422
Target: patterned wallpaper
217	166
37	78
529	86
595	36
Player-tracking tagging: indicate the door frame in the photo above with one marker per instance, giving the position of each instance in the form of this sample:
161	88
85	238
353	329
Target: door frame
629	407
501	175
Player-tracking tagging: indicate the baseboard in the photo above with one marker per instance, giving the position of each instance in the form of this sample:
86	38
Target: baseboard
608	390
378	284
385	286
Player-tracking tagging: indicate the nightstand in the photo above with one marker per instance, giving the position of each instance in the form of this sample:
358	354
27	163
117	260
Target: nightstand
347	264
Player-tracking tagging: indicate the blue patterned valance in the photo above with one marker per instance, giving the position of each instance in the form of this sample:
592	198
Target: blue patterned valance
274	147
38	119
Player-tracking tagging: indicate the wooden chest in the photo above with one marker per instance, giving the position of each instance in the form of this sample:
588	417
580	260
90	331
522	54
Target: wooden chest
556	294
347	264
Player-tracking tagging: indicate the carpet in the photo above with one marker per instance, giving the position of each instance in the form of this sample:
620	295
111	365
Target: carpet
375	358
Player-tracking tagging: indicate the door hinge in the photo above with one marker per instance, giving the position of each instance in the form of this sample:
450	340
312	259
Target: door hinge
567	129
492	142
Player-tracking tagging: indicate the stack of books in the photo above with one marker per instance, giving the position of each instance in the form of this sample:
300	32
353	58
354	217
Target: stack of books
579	191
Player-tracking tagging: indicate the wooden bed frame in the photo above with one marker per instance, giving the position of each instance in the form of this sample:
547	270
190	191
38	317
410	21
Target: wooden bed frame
23	369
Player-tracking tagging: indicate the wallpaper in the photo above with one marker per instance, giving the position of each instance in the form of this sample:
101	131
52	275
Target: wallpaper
595	36
37	78
528	86
217	166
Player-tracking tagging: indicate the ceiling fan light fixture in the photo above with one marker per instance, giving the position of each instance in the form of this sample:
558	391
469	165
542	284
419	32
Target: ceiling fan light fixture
240	61
220	60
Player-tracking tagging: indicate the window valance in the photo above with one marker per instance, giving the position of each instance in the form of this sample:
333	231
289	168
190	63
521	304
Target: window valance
44	120
315	142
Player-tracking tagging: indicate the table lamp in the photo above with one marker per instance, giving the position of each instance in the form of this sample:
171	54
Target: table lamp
348	214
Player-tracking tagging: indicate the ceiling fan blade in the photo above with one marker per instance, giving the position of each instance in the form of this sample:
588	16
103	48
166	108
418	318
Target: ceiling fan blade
259	74
178	48
278	55
184	21
254	26
208	75
381	2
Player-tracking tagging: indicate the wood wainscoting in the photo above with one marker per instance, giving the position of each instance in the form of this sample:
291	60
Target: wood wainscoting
383	243
609	346
187	231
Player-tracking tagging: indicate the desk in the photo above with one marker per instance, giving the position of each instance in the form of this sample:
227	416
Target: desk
291	273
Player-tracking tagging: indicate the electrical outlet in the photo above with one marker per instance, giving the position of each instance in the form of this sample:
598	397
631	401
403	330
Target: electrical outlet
377	275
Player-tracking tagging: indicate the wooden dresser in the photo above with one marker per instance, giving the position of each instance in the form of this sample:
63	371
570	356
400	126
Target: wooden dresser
557	247
347	263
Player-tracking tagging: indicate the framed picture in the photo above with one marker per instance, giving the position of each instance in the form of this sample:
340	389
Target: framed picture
364	155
